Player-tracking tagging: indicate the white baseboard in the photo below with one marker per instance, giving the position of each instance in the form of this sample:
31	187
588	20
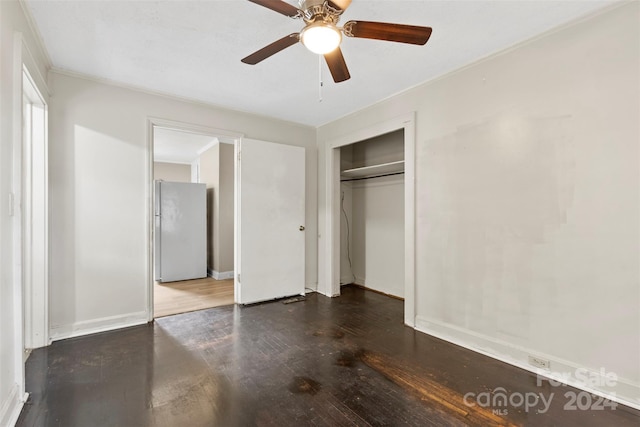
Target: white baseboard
93	326
11	407
220	275
360	281
624	392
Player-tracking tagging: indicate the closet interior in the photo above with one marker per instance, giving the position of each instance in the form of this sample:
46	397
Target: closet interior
372	213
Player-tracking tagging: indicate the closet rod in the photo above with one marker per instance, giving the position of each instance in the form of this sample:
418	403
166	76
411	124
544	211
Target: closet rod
374	176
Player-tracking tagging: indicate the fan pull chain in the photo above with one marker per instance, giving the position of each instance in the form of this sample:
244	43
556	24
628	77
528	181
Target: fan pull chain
321	83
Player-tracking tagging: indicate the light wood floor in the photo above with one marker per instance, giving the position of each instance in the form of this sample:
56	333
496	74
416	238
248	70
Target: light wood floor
190	295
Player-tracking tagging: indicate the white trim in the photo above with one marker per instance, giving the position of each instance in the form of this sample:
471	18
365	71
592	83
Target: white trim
195	170
17	225
237	289
410	220
12	406
38	80
36	216
623	392
333	229
220	275
331	287
150	220
40	44
93	326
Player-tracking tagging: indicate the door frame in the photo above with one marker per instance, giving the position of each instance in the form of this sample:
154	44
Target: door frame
35	208
224	136
25	67
332	199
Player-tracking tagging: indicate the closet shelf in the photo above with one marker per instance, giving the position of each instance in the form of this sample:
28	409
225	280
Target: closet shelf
381	169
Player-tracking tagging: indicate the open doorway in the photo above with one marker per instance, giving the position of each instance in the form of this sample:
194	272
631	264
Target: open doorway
193	193
269	205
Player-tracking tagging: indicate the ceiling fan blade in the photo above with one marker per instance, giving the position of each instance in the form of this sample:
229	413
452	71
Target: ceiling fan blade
337	65
272	49
280	7
385	31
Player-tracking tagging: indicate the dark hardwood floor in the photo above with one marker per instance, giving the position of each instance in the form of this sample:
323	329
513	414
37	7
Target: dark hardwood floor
347	361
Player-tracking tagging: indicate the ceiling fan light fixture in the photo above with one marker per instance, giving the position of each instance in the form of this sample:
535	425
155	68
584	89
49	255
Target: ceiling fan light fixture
321	38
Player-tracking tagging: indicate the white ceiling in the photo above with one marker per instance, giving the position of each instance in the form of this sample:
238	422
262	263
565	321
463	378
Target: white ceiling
192	49
173	146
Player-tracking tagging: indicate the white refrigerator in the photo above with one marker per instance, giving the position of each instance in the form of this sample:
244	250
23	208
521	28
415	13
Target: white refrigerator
180	239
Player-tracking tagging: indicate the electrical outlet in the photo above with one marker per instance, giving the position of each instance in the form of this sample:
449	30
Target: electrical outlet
539	363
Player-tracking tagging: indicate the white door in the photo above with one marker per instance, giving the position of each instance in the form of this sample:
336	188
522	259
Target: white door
181	239
271	237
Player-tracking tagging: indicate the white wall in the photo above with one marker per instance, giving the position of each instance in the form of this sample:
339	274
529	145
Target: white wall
99	196
225	210
347	274
173	172
347	266
210	175
377	251
18	45
527	200
217	171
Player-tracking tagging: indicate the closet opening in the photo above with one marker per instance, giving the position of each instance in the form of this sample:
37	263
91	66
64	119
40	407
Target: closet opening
372	214
371	219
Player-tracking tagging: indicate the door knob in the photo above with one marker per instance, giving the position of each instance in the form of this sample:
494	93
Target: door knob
302	228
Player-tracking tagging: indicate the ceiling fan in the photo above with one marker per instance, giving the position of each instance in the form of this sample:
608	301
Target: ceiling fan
321	34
